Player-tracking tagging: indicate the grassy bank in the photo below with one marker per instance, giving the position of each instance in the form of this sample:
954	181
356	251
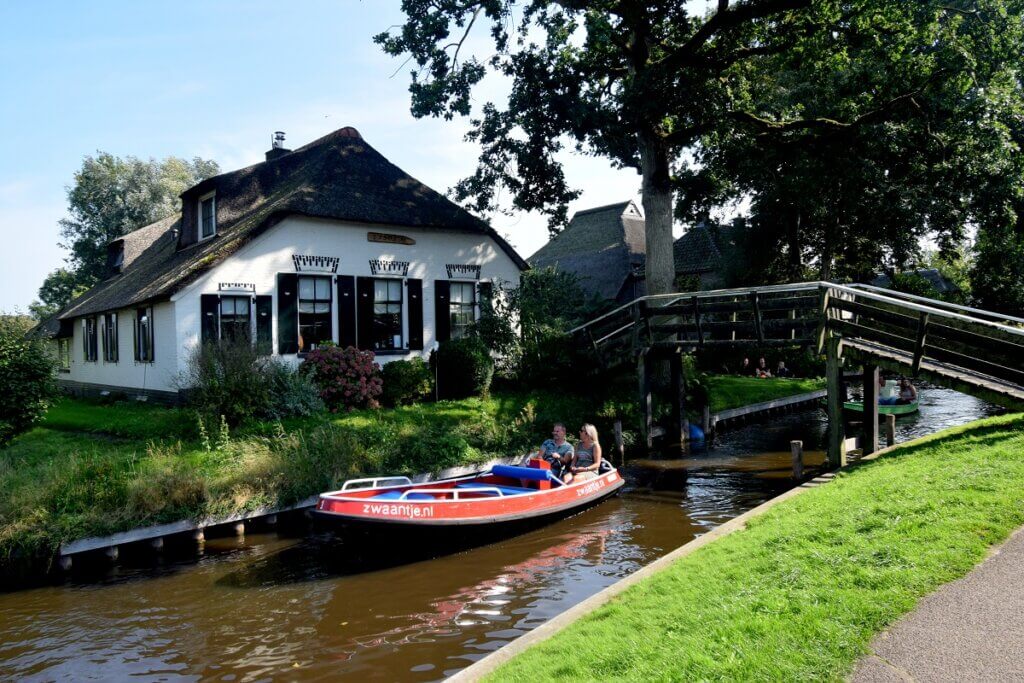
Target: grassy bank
799	594
729	391
93	469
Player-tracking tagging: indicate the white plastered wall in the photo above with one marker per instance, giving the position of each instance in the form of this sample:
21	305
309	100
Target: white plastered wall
126	372
259	262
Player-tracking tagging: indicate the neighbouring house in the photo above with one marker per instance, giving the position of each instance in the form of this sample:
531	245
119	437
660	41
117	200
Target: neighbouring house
702	256
605	247
942	285
329	242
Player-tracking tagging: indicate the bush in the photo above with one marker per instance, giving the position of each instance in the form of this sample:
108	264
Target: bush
347	378
226	379
292	393
26	375
464	368
406	381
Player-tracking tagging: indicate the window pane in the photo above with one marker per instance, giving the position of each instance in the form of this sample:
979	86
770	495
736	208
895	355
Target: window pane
306	288
323	288
380	290
395	290
322	307
306	307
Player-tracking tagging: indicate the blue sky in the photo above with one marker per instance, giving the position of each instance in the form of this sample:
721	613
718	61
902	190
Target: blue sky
210	79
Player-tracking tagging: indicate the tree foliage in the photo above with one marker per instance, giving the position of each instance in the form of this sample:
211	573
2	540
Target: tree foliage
27	376
110	197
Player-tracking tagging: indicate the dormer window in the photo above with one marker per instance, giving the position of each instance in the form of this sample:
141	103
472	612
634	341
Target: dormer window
207	216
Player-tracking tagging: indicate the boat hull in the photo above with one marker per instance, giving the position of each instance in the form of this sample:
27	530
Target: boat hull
887	409
460	523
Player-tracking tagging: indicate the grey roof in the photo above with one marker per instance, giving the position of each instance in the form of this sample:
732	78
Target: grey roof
936	279
701	248
604	246
339	176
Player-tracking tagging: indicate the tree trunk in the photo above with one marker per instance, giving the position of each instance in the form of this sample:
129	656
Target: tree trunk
657	200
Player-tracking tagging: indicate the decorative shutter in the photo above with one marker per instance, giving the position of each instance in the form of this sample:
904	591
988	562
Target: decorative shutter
209	305
114	341
415	314
346	311
287	313
264	325
85	338
442	312
152	334
135	336
364	309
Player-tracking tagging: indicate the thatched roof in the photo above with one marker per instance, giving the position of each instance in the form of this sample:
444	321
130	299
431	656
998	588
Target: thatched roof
702	249
339	176
604	246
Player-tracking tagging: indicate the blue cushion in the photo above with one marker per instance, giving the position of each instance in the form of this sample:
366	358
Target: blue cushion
395	495
507	490
514	472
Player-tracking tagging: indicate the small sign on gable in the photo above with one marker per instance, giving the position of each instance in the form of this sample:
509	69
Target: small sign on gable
389	238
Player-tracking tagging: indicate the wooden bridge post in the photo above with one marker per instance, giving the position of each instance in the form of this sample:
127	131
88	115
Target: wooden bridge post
836	452
620	446
870	439
643	376
680	420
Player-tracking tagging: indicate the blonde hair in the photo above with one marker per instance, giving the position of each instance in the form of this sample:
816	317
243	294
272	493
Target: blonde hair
591	431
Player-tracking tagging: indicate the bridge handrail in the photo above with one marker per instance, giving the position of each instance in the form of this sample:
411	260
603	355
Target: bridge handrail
705	294
931	310
944	304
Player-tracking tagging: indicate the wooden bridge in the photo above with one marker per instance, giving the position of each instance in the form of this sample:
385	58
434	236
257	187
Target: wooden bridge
970	350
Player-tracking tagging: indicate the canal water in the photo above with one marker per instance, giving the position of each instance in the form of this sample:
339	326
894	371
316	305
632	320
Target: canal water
274	607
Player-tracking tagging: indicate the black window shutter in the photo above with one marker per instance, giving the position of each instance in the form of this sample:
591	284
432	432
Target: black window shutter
442	312
346	311
135	335
208	306
287	313
152	335
485	298
415	314
364	308
264	324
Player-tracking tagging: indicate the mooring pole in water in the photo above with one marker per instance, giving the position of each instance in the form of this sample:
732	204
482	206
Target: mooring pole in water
890	430
239	529
199	536
643	376
66	562
836	453
111	553
705	420
797	449
620	447
680	421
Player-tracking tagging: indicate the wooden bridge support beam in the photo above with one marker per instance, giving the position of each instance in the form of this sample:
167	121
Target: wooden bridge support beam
680	420
643	376
836	452
870	434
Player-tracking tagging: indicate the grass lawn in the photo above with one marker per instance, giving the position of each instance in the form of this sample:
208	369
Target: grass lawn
799	594
730	391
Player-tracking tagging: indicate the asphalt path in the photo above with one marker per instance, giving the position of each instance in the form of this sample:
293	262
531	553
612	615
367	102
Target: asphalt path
969	630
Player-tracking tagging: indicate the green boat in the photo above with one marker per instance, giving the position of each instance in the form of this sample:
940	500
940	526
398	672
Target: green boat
889	409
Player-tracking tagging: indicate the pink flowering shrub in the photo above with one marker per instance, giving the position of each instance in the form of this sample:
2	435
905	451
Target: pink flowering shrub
347	378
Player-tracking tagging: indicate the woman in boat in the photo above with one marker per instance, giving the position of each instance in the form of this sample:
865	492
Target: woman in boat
587	460
908	394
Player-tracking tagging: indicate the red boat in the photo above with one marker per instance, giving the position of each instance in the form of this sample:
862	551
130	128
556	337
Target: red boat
506	498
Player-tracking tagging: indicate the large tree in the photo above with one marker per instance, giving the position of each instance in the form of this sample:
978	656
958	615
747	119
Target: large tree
891	127
635	82
110	197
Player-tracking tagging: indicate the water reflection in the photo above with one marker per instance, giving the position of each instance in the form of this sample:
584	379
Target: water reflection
307	609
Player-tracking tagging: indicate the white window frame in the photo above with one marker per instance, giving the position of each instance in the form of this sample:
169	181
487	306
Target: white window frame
199	216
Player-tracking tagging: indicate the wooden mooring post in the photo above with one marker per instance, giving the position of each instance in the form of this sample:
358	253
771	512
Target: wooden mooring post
796	448
620	446
890	430
643	376
680	420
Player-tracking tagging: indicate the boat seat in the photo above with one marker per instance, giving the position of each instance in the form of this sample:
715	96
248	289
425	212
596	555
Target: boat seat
395	495
507	490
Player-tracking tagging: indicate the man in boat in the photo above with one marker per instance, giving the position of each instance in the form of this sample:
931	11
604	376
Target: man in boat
762	369
782	370
908	393
745	369
556	450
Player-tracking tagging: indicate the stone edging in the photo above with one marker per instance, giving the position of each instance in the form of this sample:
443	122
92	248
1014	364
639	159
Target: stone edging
488	664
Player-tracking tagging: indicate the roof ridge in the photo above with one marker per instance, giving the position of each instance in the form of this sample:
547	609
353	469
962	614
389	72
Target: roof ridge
606	207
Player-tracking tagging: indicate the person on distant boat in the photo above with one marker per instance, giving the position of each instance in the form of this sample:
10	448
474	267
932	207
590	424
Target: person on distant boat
908	394
886	394
587	459
762	369
557	450
745	369
782	370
